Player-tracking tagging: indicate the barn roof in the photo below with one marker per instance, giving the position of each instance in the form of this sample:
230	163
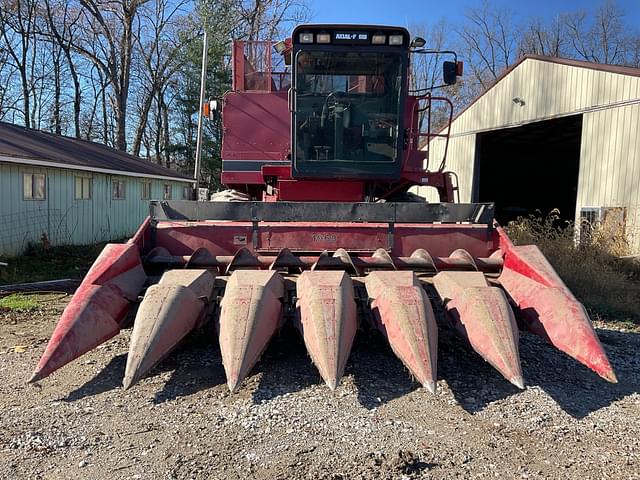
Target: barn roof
619	69
34	147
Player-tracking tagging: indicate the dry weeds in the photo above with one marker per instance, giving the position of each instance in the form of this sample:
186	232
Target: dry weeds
592	267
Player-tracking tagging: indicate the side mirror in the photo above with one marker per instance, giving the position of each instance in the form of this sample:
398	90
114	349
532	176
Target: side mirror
451	71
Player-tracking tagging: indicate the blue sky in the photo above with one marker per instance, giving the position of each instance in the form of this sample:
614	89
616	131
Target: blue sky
407	13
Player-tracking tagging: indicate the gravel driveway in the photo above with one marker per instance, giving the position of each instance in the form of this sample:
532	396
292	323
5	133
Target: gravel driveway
181	422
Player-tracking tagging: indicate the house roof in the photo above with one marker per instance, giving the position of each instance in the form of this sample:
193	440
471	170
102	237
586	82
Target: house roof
631	71
33	147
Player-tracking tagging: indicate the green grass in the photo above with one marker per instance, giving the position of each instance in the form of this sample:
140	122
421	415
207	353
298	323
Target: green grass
55	263
593	271
20	302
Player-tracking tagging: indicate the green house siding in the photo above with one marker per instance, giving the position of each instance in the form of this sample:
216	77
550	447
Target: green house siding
66	220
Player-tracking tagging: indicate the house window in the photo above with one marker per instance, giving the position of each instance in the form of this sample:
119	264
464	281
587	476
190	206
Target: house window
117	190
186	193
83	188
167	192
145	191
34	186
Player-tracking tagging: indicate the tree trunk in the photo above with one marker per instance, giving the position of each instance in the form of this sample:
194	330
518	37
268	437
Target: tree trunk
105	118
142	125
57	92
121	123
159	131
26	98
77	94
165	137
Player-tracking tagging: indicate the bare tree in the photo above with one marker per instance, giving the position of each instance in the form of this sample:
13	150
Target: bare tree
17	29
109	46
488	43
541	38
96	121
634	55
43	73
56	117
159	41
62	22
426	74
265	19
603	40
426	70
8	101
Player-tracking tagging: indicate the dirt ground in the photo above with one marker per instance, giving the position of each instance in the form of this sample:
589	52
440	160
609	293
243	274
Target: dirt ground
181	422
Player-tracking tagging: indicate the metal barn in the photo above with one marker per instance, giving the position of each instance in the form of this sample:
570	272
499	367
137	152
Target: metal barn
552	133
66	191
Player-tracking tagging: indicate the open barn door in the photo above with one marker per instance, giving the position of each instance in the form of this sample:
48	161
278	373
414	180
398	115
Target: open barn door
530	168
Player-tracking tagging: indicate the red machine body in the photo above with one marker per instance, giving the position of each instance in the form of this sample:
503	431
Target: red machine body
325	235
262	101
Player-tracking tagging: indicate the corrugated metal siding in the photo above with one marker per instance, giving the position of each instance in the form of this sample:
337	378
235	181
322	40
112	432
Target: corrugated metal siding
549	90
458	153
21	220
610	148
65	220
610	161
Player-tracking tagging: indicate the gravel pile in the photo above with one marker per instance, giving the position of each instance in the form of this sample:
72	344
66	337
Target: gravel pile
180	422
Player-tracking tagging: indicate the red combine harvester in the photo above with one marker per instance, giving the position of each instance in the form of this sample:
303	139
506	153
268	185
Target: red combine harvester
324	232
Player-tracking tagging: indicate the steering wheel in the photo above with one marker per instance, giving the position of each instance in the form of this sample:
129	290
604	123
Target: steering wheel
327	107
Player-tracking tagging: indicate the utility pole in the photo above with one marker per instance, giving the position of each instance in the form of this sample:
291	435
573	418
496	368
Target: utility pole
203	88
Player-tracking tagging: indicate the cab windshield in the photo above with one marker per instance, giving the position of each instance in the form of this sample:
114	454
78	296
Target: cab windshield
347	106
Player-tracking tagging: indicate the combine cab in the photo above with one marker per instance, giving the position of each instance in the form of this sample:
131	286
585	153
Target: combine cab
321	231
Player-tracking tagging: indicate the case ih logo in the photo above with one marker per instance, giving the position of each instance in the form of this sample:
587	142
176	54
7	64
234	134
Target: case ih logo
324	237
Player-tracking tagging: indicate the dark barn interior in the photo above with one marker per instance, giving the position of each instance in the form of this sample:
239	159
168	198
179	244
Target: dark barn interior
530	168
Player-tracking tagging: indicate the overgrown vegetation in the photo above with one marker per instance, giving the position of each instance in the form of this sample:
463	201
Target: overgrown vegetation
39	264
591	268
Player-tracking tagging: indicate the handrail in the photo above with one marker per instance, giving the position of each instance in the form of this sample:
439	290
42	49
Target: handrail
415	130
